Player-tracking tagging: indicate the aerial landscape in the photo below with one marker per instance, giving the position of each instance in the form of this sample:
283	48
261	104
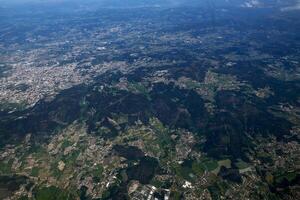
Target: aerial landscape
149	99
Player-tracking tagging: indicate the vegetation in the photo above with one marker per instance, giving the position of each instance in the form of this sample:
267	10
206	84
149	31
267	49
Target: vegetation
52	193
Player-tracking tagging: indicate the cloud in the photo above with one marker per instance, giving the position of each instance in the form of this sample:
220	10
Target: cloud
293	7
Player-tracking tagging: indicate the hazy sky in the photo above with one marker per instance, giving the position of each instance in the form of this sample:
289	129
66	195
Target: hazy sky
120	3
285	4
